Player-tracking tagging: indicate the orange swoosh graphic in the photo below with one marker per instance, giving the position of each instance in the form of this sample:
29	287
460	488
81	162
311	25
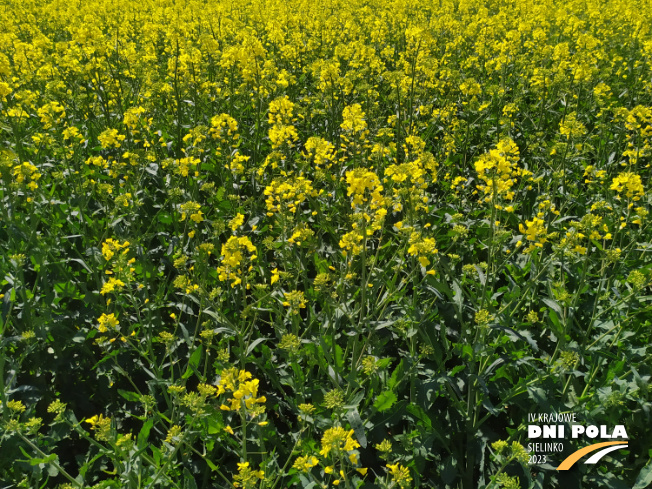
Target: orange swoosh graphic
574	457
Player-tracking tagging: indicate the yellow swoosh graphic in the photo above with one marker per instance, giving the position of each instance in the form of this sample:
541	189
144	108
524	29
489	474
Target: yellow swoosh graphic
574	457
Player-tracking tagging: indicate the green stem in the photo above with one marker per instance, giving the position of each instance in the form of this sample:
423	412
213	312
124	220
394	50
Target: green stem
54	463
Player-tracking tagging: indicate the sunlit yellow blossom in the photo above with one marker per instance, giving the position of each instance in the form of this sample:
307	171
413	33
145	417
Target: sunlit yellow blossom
275	276
400	474
364	187
110	138
237	221
422	248
337	439
233	256
630	184
294	300
304	464
110	247
112	285
193	210
16	406
535	231
354	119
244	391
321	151
351	242
497	169
571	127
101	426
287	194
107	322
246	476
26	173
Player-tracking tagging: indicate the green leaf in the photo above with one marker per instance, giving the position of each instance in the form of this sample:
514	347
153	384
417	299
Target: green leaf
339	357
555	321
554	305
385	401
143	435
193	363
394	379
129	396
188	480
44	460
38	461
458	295
467	352
420	414
353	416
214	425
164	218
212	466
253	345
644	478
320	264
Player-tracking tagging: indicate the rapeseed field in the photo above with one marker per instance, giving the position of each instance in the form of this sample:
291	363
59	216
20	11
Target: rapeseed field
357	243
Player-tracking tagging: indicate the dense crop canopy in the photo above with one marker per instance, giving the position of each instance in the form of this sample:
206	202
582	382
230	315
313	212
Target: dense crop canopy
298	243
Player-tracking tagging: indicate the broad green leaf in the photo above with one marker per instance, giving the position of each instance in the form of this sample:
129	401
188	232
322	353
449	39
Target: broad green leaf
396	374
193	362
129	396
644	478
143	435
385	401
353	416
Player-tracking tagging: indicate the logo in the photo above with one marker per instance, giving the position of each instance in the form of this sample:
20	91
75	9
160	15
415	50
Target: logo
548	435
574	457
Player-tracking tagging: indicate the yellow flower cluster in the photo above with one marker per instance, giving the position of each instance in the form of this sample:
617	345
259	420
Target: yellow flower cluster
233	256
365	190
630	184
536	232
111	285
224	128
101	426
287	194
121	269
294	300
193	209
400	475
337	440
364	187
26	173
354	119
51	113
183	166
571	127
301	234
110	247
320	151
244	391
304	464
237	221
16	406
422	248
110	138
107	322
246	478
351	242
410	179
280	117
638	122
497	169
